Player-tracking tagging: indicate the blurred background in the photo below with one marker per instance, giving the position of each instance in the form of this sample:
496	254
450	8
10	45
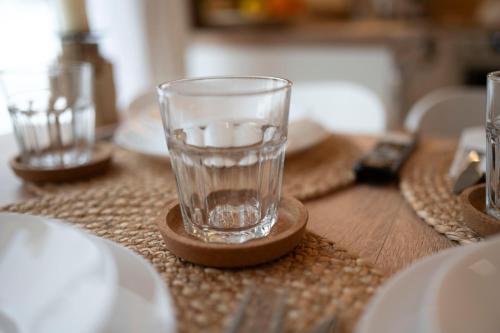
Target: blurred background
359	65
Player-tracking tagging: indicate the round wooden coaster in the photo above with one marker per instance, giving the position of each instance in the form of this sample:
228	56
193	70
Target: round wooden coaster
284	236
473	202
101	160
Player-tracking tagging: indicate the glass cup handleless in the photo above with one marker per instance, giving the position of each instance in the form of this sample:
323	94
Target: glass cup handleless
52	113
226	138
493	145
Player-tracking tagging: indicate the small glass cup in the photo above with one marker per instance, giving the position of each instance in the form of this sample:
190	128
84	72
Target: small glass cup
493	145
226	137
52	113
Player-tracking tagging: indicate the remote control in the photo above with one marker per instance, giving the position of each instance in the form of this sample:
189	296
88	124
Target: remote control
384	161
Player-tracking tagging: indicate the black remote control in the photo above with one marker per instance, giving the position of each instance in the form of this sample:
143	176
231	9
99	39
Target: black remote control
383	162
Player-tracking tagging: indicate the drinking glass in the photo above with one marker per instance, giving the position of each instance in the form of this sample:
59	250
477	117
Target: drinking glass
493	145
52	113
226	138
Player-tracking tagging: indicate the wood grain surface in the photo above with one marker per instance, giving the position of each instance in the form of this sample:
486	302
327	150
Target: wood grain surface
374	222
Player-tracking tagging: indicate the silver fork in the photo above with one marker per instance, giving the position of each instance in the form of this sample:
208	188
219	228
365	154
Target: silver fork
261	310
328	325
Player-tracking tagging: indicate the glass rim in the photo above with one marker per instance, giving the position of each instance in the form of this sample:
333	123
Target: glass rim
165	88
494	76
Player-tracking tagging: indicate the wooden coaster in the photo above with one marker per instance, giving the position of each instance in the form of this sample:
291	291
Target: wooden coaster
101	160
473	202
284	236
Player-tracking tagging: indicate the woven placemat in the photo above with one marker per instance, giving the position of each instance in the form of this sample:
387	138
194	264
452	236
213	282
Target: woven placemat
320	278
428	189
308	174
324	168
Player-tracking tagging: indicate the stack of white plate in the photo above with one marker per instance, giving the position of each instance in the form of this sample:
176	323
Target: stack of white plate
454	291
57	278
142	130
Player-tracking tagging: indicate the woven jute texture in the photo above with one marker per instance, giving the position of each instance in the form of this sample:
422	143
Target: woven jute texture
319	278
427	187
308	174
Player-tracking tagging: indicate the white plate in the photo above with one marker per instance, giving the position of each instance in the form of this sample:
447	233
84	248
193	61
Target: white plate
143	133
134	136
140	138
136	298
143	303
303	134
395	307
465	295
52	276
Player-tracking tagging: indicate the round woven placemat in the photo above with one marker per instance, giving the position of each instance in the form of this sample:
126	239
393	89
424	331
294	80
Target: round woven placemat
320	279
426	186
308	174
324	168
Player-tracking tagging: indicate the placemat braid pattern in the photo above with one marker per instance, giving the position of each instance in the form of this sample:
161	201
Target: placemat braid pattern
322	169
308	174
320	278
426	186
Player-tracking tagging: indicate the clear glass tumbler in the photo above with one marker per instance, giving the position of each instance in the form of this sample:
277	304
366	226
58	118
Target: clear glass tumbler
493	145
52	112
226	137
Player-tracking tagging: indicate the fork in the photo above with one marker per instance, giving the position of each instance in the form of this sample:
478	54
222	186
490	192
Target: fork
260	311
328	325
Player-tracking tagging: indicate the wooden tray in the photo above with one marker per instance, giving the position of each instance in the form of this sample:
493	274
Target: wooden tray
101	160
473	202
284	236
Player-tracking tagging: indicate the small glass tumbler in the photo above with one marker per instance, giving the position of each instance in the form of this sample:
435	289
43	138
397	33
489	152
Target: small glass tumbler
493	145
52	112
226	138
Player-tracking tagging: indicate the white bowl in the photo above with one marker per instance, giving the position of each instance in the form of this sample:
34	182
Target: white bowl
465	294
395	306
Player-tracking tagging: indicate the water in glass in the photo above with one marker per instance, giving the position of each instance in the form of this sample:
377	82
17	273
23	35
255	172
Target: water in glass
55	137
493	168
493	145
229	177
52	113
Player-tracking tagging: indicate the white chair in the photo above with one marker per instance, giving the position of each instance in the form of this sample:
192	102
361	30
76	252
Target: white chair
318	65
339	106
447	111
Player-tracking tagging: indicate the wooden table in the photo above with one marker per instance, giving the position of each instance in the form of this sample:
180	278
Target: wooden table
374	222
